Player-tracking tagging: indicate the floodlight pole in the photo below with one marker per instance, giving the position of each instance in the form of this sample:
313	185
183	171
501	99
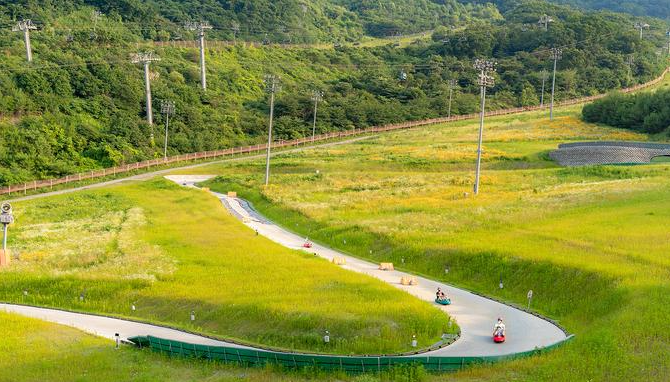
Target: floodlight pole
485	67
272	87
556	54
317	96
26	26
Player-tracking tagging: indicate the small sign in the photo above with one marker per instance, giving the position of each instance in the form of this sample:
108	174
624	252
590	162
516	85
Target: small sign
530	294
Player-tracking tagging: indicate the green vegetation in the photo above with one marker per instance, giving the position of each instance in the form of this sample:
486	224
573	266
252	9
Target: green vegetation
644	112
590	242
169	251
655	8
80	105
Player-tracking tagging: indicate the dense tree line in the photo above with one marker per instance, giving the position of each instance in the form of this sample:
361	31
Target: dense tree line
655	8
645	112
80	104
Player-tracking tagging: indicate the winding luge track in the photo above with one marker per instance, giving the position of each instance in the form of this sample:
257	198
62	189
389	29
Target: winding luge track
474	314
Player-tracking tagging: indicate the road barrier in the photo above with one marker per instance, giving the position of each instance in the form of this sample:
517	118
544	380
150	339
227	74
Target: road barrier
205	155
374	363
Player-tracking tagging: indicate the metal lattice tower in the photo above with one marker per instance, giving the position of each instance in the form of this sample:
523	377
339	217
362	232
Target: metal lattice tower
641	27
26	26
452	84
168	109
146	58
201	27
485	80
317	96
545	20
272	86
556	54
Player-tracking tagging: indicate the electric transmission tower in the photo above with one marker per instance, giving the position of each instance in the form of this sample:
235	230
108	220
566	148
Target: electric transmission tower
452	85
545	20
146	58
201	27
26	26
317	96
486	68
641	27
556	54
168	109
272	86
544	80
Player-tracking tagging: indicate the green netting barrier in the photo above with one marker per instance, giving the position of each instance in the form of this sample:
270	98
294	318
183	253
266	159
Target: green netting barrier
252	357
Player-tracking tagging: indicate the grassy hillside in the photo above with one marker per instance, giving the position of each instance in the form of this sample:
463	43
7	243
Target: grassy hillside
170	251
590	242
80	104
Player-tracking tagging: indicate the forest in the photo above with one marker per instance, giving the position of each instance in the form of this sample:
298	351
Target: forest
80	104
645	112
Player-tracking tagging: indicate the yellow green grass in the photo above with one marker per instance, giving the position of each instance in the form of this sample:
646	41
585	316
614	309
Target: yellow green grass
592	243
33	350
170	250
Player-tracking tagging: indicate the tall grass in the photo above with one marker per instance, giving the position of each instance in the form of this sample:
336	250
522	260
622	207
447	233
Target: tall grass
592	243
169	251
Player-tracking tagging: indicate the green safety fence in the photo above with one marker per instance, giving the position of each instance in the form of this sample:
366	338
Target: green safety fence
253	357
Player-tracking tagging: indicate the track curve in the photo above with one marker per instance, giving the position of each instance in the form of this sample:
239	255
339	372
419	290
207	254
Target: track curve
475	314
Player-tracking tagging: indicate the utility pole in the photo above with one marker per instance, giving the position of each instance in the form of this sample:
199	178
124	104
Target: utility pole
317	96
201	27
26	26
544	80
236	30
271	86
630	60
146	58
545	20
556	54
96	16
168	109
641	27
668	35
452	85
485	68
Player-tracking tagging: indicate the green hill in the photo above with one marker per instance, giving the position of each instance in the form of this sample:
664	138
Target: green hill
80	104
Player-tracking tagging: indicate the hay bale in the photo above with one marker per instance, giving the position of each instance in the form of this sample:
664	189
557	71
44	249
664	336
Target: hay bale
386	266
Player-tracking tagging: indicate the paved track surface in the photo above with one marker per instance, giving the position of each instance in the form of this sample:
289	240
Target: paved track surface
475	315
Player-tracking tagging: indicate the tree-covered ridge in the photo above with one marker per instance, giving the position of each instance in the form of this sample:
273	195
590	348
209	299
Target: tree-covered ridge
80	104
276	21
654	8
645	112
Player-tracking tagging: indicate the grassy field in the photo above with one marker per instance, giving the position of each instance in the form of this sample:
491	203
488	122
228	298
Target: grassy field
32	350
169	251
592	243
